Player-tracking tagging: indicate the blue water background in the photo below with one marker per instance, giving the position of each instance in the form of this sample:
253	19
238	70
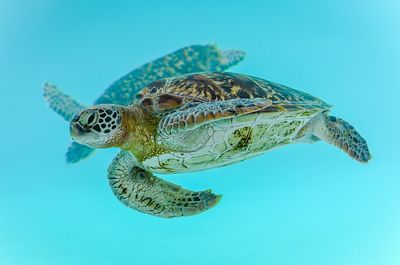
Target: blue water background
301	204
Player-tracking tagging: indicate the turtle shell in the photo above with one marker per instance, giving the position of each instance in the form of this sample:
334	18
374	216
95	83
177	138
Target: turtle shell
168	94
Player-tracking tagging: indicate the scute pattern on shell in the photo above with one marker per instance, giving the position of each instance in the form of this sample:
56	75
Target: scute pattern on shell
219	86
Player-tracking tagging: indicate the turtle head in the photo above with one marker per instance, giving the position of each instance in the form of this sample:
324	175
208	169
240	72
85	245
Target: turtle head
98	126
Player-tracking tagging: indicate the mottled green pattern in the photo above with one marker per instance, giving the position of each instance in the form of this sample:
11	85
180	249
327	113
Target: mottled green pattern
196	58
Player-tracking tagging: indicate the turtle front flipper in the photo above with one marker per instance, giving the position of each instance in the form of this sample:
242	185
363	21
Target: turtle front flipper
198	114
66	106
61	103
141	190
191	59
229	58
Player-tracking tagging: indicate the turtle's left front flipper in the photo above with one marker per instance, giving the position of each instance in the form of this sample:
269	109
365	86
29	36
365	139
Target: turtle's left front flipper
61	103
66	106
142	191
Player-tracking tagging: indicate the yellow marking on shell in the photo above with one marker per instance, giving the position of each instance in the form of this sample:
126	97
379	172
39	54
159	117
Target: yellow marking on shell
235	90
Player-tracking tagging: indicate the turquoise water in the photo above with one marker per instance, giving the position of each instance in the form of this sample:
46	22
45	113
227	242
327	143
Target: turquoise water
301	204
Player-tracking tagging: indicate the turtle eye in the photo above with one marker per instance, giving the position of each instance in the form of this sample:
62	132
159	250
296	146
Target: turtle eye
91	119
88	119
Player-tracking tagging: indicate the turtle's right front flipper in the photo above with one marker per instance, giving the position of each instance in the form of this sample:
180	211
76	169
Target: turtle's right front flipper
76	152
142	191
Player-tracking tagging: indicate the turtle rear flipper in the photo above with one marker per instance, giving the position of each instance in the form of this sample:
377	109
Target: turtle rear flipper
141	190
340	133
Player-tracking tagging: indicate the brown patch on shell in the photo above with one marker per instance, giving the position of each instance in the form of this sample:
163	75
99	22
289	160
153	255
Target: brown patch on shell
162	103
168	102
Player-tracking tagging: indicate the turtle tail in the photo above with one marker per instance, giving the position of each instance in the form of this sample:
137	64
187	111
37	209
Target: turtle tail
341	134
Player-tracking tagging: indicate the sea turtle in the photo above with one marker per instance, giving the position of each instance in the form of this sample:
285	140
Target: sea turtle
200	121
194	58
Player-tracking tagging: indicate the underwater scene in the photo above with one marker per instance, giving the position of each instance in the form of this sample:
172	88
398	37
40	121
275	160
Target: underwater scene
200	132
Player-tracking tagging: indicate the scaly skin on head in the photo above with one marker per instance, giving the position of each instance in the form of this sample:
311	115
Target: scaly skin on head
98	126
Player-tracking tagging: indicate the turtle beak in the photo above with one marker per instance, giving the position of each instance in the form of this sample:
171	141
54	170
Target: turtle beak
75	129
